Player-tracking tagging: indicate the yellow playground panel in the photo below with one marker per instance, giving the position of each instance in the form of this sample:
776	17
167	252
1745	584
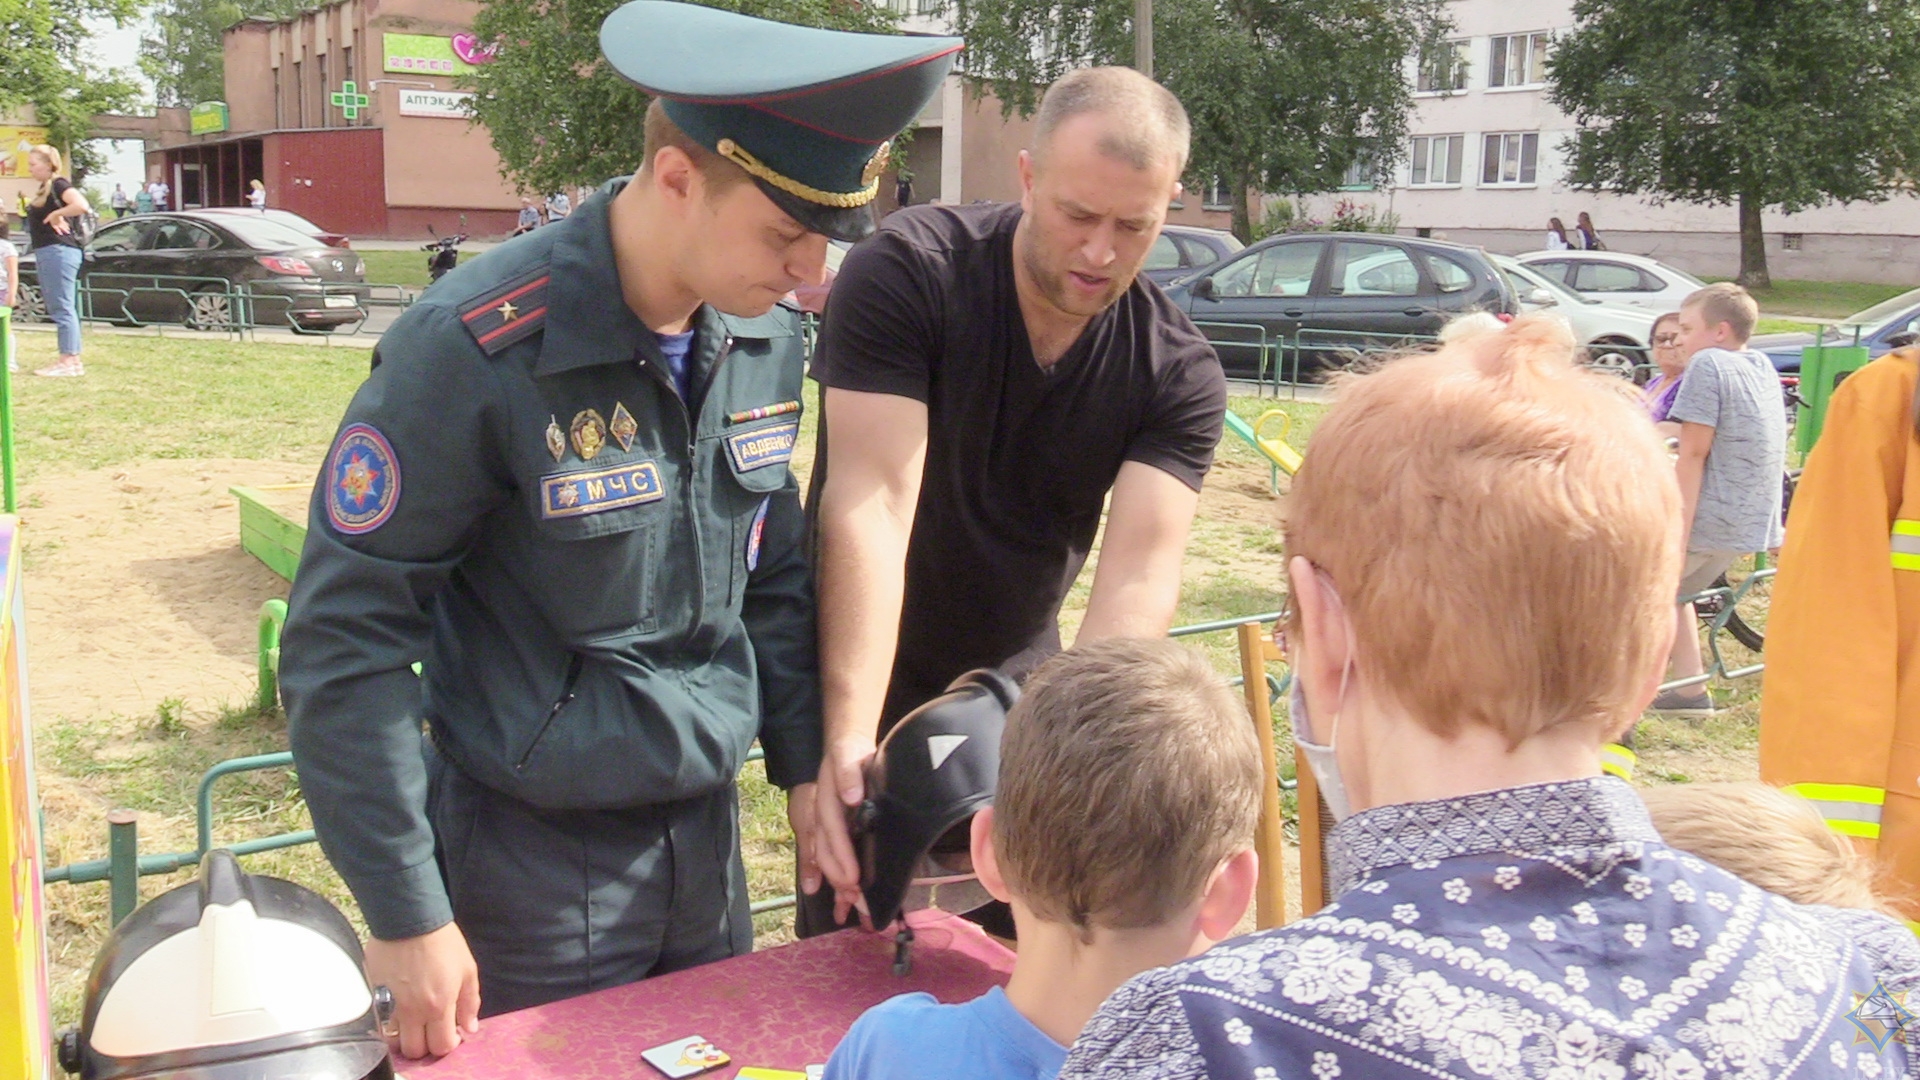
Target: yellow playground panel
1269	444
25	1023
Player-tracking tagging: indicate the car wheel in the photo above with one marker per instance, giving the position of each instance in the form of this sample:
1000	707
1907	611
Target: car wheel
209	311
1611	359
32	306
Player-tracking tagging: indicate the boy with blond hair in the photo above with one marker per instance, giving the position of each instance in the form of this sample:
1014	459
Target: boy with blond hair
1121	836
1733	453
1482	549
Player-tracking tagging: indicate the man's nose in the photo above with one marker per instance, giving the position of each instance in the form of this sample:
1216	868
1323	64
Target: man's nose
1098	250
809	260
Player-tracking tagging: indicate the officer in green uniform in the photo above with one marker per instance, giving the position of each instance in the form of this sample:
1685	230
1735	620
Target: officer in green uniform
564	490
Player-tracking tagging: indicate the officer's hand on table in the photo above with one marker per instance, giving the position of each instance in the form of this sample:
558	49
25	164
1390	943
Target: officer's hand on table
435	987
842	786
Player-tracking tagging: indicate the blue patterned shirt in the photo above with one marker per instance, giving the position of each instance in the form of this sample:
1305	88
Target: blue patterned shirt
1541	932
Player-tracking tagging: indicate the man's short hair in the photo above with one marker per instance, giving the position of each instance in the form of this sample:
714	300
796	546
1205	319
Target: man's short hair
1151	122
660	132
1728	303
1128	772
1502	528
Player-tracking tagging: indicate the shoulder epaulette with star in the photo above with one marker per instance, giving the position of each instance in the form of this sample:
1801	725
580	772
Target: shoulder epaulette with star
509	312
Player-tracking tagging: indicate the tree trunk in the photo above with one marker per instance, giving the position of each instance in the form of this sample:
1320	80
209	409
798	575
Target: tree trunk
1242	213
1753	246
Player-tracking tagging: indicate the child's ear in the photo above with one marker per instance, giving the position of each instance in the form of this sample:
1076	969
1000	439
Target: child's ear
1228	894
986	864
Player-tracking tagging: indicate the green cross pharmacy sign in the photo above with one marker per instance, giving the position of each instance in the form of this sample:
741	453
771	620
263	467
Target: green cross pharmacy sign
349	100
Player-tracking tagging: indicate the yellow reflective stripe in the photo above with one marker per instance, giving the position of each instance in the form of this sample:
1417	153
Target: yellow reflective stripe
1849	809
1840	793
1906	527
1906	544
1865	830
1913	926
1618	761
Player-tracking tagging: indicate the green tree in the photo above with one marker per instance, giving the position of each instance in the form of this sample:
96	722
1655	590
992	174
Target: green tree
558	113
47	70
184	55
1284	95
1789	104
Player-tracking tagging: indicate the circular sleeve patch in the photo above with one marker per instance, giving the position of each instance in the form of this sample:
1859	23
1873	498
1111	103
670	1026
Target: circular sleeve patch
363	480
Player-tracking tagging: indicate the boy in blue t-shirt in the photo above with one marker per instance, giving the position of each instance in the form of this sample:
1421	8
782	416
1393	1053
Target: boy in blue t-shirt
1121	835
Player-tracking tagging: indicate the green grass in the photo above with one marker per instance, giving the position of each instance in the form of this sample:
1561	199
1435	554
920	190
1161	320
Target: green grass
400	267
1822	299
1784	326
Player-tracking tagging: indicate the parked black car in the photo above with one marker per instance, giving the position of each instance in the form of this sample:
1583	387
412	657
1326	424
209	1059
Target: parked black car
1875	327
211	272
1336	293
1183	249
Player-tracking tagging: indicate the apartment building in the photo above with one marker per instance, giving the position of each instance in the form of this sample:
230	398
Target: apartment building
1485	165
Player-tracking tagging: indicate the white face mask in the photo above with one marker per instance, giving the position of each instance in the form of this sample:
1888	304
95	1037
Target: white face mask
1320	758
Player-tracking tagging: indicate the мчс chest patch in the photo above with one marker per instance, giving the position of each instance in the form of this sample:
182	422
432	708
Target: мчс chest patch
765	446
596	491
363	480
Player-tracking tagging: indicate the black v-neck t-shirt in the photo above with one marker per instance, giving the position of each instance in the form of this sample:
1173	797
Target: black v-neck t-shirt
1019	458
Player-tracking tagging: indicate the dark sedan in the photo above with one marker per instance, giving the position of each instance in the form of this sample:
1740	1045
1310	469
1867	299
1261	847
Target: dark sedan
211	272
1335	294
1182	249
1872	328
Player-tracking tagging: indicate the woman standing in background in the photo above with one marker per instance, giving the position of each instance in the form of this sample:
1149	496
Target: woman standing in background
56	258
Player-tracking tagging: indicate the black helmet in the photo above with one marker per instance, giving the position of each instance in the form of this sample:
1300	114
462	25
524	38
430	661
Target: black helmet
934	770
227	977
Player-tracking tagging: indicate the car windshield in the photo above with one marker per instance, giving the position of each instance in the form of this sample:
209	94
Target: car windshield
1869	320
265	234
1532	280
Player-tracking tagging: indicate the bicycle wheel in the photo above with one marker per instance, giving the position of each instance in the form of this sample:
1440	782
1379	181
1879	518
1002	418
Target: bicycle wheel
1744	634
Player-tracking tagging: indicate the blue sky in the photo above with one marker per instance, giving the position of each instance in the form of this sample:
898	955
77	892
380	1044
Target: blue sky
118	48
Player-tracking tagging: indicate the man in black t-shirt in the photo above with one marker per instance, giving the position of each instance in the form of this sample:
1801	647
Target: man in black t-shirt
991	372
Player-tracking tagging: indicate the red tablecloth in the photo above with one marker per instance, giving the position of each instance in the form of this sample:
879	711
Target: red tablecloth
783	1008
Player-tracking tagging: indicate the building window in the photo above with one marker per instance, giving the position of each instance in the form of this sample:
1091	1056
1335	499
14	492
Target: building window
279	102
928	7
1436	159
1219	196
326	86
300	96
1511	158
1359	175
1791	241
1443	68
1518	60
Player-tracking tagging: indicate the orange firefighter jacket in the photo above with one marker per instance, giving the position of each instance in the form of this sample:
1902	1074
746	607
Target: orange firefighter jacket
1840	704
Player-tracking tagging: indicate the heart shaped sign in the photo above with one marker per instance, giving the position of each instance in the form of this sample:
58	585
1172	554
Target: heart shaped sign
469	49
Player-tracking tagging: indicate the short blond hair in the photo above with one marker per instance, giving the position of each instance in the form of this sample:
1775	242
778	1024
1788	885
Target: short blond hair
59	169
659	131
1128	772
1725	302
1502	527
1770	837
1150	123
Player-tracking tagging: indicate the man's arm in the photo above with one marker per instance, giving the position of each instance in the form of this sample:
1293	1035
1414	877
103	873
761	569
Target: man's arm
1136	585
1695	441
876	450
413	472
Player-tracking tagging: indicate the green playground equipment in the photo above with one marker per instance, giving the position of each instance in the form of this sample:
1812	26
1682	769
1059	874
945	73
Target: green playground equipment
1822	366
1280	455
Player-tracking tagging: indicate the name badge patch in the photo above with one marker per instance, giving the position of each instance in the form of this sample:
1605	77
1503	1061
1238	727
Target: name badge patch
596	491
363	481
765	446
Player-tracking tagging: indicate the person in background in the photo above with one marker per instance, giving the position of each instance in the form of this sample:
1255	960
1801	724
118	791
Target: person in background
142	201
1499	908
1557	236
1672	362
1589	239
160	192
9	285
558	206
119	201
903	188
1733	453
529	216
56	261
1121	834
257	195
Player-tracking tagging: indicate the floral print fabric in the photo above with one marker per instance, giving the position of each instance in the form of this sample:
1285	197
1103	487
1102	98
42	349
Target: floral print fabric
1542	933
